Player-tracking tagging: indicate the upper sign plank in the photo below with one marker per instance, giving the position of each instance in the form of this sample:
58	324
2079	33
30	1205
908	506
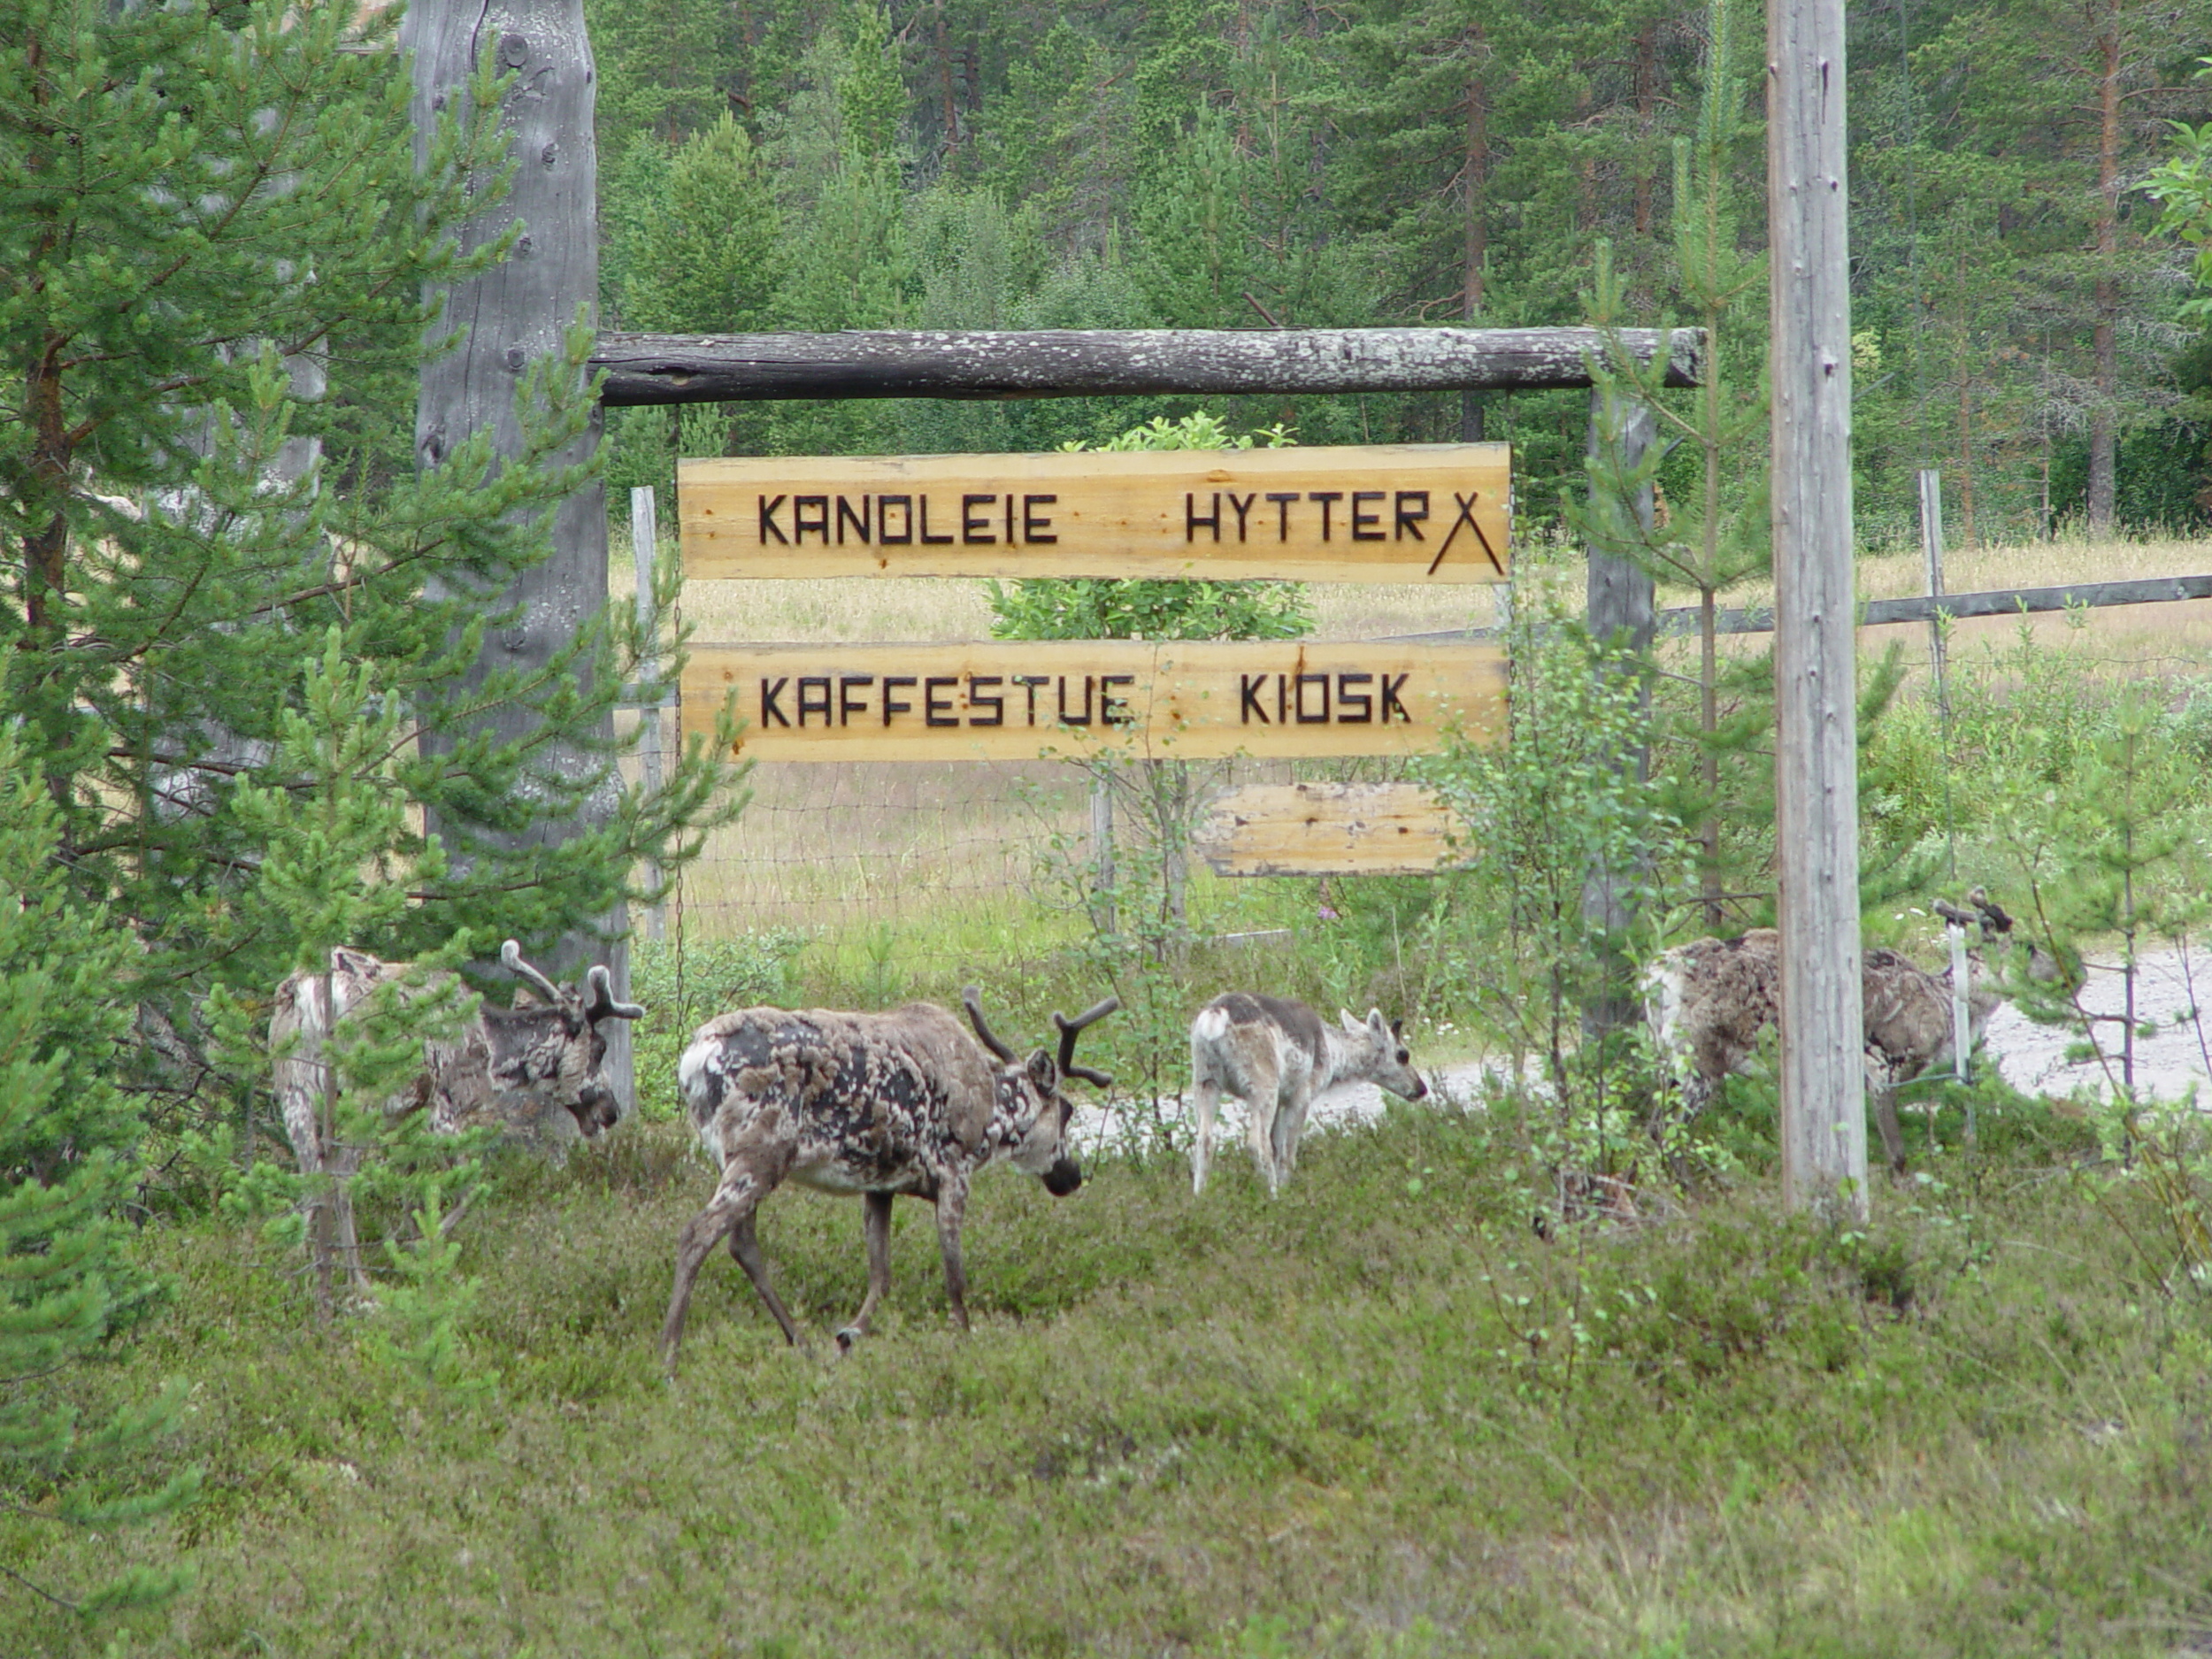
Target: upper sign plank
1414	512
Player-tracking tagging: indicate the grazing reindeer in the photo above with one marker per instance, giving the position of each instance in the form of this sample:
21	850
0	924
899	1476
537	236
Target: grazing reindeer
877	1104
1276	1056
510	1066
1709	1001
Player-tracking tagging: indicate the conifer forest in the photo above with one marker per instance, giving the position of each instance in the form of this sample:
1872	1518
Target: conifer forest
1232	163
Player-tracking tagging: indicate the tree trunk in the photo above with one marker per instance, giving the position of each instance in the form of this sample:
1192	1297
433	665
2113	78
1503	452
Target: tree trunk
1475	198
992	363
1815	771
508	318
1474	185
2105	335
944	68
1647	78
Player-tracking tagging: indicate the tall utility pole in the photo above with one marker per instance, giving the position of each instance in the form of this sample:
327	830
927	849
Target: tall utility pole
513	315
1817	789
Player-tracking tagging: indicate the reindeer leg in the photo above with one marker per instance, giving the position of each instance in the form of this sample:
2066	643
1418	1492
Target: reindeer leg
734	1200
1290	1123
878	1231
343	1167
745	1250
1209	1101
1267	1117
952	1210
1885	1119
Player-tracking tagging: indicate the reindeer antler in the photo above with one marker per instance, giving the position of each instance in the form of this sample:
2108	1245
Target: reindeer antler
972	999
511	958
599	1001
1956	916
1993	914
1071	1029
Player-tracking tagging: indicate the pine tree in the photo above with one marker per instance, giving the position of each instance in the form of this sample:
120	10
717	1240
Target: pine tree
2055	104
705	262
667	70
68	1147
214	249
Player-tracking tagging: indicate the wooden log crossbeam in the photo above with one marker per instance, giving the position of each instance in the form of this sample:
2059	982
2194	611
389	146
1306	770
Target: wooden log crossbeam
2004	602
643	369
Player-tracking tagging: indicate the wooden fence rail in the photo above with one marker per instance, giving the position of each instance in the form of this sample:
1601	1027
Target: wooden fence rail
2005	601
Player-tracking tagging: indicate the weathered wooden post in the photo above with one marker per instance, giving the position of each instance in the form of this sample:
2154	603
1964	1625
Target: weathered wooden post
645	540
1621	597
1823	1107
1621	594
1932	546
515	313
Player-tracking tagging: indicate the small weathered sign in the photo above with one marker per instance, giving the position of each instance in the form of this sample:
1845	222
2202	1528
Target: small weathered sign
1407	512
1325	829
1009	700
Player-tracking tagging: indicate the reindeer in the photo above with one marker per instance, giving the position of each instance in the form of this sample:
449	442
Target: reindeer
1276	1056
877	1104
1709	1001
508	1066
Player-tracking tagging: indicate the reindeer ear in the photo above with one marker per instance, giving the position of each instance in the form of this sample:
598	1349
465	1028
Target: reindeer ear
1377	1024
1044	1073
1344	1016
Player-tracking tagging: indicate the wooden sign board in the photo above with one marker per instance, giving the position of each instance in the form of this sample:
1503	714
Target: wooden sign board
1406	512
1009	700
1327	829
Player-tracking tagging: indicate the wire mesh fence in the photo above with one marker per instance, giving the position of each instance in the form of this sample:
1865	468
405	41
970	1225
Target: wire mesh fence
874	881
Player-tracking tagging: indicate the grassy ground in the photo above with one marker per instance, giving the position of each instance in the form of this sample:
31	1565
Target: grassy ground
1381	1416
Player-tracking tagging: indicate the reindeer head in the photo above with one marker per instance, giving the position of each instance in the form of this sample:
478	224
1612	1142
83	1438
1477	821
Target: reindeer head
1382	1057
2009	953
551	1048
1032	1110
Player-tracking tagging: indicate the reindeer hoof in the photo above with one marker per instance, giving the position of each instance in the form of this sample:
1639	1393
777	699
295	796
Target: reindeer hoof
847	1337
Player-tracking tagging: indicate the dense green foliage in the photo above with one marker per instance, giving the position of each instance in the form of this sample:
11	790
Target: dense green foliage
218	262
241	629
1248	162
1380	1415
68	1139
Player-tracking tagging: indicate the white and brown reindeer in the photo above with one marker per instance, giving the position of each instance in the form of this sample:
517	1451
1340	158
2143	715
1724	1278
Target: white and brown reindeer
1708	1001
515	1068
903	1101
1276	1056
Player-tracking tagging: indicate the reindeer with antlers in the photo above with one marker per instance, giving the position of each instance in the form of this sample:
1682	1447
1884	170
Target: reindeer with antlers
877	1104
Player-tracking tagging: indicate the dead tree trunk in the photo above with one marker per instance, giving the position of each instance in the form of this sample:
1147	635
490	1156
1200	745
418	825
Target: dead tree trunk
1105	362
515	314
1816	828
2104	335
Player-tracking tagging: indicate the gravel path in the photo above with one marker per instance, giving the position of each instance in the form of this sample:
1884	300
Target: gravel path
2032	1057
2033	1060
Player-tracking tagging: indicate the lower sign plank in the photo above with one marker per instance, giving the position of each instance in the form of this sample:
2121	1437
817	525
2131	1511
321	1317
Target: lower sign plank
1013	700
1325	829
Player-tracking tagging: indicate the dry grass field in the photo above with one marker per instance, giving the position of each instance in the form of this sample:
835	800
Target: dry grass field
952	850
